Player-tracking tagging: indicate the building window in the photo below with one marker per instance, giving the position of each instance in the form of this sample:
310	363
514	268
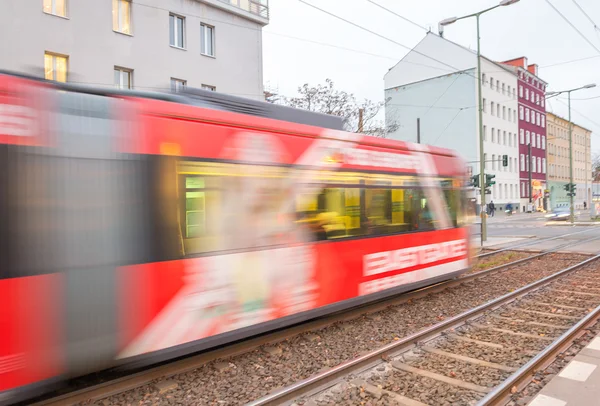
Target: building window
55	67
209	87
522	162
527	163
527	137
543	120
533	139
522	133
521	113
537	99
498	86
483	79
539	140
504	112
499	190
483	105
207	40
493	161
515	139
56	7
509	139
521	91
176	31
504	137
485	133
539	165
121	10
509	115
177	85
503	89
491	83
493	135
543	101
527	115
123	78
538	120
508	90
498	110
485	161
492	105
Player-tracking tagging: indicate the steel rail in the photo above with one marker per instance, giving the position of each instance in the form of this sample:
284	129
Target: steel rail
132	381
528	243
521	378
294	391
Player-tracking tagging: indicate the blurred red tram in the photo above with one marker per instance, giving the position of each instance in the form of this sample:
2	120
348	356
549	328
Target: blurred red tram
139	227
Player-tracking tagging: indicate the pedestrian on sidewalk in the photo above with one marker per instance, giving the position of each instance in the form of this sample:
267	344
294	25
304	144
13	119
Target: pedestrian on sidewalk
492	208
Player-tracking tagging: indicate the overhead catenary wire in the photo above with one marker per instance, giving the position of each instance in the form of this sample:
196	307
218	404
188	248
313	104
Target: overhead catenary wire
399	16
572	26
585	14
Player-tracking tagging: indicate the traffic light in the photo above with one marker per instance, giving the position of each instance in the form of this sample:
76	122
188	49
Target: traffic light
570	188
504	160
489	180
475	180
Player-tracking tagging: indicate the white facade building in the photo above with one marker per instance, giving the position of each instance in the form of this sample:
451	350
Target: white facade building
442	94
148	45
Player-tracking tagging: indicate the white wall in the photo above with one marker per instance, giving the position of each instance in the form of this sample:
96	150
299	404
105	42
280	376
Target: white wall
86	36
444	124
504	176
418	64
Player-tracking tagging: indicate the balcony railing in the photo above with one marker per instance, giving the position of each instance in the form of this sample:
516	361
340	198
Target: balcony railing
257	7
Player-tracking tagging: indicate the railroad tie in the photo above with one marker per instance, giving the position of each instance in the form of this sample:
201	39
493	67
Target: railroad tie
378	392
441	378
510	332
470	360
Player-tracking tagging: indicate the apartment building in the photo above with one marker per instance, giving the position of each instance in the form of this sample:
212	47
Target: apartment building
145	45
559	163
532	134
436	85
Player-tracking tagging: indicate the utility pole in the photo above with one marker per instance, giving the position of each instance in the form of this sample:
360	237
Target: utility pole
418	130
572	216
360	120
529	170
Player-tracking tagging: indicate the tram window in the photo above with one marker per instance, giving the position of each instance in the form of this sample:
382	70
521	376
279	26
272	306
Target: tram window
452	197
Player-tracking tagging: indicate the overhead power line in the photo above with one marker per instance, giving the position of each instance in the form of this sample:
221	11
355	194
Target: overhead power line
586	14
573	26
382	36
399	16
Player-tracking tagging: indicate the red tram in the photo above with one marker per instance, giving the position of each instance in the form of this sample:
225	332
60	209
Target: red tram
135	228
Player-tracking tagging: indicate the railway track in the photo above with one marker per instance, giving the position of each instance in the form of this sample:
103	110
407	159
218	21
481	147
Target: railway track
481	356
528	244
131	381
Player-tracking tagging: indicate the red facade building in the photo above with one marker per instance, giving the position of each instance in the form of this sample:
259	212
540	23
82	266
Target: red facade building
532	134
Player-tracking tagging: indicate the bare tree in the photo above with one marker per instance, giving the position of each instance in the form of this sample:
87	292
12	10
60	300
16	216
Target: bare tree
325	98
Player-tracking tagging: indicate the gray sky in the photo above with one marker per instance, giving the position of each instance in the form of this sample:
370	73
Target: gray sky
293	54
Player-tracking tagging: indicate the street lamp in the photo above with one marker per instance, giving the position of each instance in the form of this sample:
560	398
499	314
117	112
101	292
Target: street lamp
452	20
589	86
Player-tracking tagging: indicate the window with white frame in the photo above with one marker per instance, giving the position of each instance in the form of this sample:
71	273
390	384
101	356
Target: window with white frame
493	135
484	102
498	110
123	78
527	94
533	139
121	13
543	142
515	139
538	120
509	139
537	99
543	102
521	113
527	163
55	7
509	115
491	83
539	164
176	31
177	85
527	137
521	91
527	115
503	88
492	108
504	137
523	189
500	191
498	86
209	87
207	39
522	162
504	112
483	81
493	161
543	119
485	133
55	67
539	140
522	133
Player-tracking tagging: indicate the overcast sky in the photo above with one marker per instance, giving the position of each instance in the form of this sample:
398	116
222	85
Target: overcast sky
305	45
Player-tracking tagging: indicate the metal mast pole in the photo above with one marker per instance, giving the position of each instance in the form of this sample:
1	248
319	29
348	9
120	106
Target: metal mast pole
572	216
481	160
